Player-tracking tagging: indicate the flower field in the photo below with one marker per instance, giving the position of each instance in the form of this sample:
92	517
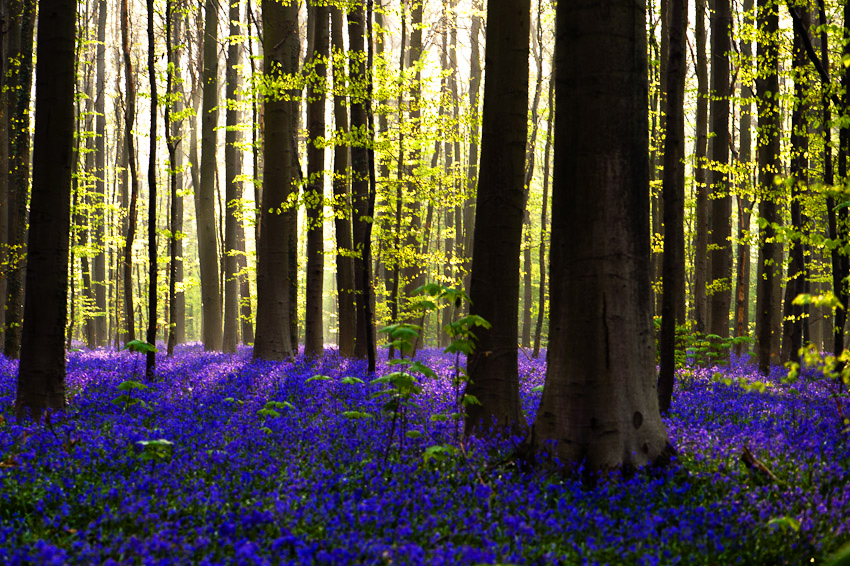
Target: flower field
223	460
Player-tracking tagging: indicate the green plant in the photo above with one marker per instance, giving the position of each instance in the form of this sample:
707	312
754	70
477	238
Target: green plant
140	348
126	399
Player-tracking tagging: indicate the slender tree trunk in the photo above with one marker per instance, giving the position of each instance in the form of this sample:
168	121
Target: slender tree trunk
21	51
720	256
839	216
543	265
205	193
472	171
318	48
150	361
99	279
173	137
768	301
745	204
494	292
347	317
599	404
701	142
360	183
5	105
273	340
41	378
794	315
232	168
673	280
129	120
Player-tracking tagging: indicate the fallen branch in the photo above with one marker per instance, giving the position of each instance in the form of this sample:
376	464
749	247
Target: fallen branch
757	468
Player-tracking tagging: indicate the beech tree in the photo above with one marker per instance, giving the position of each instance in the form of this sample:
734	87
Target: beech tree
41	377
599	403
499	211
272	338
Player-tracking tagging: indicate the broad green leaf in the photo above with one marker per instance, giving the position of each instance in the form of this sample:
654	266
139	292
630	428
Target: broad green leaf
140	347
319	378
357	415
785	523
351	380
130	385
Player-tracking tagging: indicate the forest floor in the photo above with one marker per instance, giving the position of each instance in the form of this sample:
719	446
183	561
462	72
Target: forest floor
223	460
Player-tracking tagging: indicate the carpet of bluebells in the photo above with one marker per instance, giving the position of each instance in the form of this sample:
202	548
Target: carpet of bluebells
222	460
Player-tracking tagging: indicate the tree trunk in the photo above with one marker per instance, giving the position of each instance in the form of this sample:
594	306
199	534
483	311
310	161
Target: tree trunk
499	209
150	358
720	256
599	404
745	204
794	315
673	260
543	265
472	170
364	335
21	49
99	279
347	317
768	300
701	205
129	119
232	169
205	193
273	340
41	379
5	100
318	46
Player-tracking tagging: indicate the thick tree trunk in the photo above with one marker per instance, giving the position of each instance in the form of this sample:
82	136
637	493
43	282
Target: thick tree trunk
599	404
232	169
20	48
273	340
205	193
346	314
673	260
41	379
720	256
494	291
768	300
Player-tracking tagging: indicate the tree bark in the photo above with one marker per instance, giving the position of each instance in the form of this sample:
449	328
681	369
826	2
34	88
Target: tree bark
318	47
205	193
499	209
701	189
41	378
720	254
768	300
358	75
273	339
21	50
150	358
599	404
347	316
232	169
129	119
795	315
673	260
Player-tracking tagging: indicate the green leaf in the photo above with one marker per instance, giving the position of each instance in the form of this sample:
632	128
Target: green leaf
439	417
357	415
470	400
439	452
840	558
538	389
130	385
423	369
413	434
785	523
351	380
319	378
140	347
268	413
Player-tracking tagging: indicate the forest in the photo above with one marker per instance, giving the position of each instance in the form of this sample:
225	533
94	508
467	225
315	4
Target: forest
424	282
